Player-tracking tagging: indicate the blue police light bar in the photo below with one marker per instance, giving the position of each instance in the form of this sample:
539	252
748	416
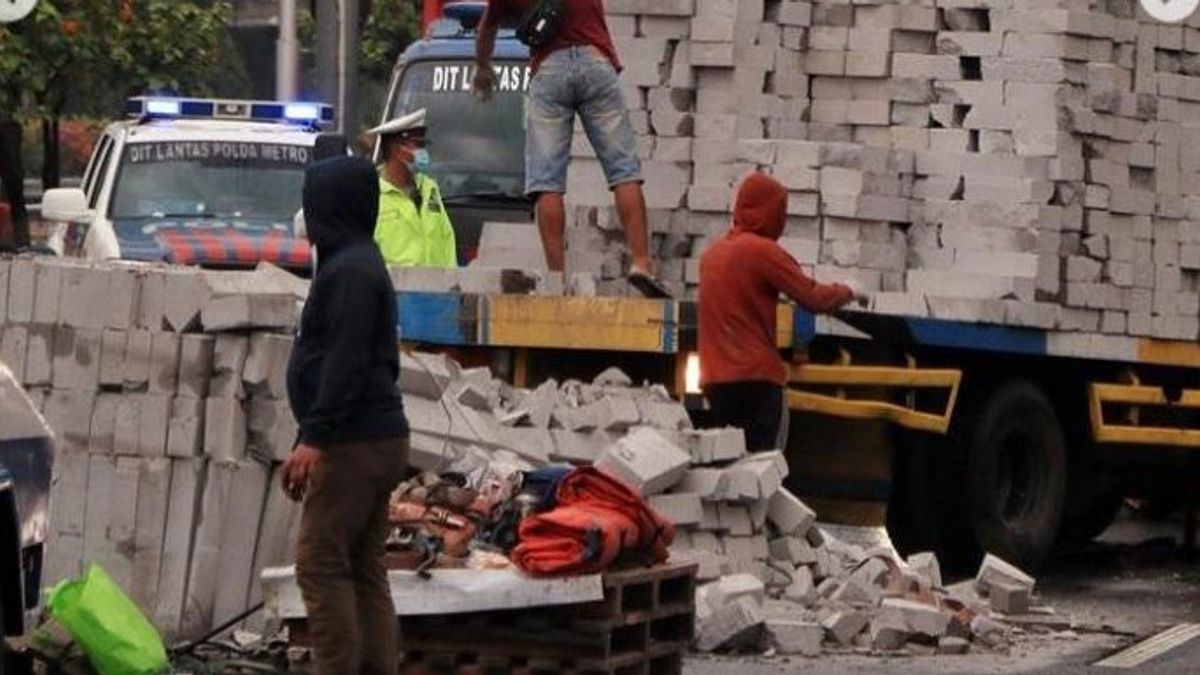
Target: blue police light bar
154	107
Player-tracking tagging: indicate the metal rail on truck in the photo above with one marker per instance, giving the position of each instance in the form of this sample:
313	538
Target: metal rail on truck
1136	399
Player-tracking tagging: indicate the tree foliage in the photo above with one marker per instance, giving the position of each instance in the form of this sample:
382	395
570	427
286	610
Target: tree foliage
391	25
107	48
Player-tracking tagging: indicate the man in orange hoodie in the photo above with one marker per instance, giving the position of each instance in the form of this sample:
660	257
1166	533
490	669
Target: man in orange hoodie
742	275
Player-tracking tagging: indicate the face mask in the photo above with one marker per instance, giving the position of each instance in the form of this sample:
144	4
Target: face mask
420	161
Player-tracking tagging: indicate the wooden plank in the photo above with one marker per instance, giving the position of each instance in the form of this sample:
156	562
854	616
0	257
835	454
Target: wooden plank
618	324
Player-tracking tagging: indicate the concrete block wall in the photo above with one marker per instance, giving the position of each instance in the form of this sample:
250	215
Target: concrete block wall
1017	163
168	435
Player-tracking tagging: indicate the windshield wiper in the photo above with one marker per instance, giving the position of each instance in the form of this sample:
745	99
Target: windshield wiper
202	214
485	196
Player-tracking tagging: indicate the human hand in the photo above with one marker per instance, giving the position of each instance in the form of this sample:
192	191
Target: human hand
298	470
860	298
484	83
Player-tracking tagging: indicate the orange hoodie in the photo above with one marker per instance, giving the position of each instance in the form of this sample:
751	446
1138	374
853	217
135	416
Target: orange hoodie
741	277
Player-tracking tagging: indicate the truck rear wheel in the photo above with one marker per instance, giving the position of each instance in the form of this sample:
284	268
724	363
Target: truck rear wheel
1016	474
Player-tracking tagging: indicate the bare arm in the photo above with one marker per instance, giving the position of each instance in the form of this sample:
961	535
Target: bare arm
485	45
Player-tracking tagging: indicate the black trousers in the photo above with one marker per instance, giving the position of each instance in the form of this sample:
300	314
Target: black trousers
754	407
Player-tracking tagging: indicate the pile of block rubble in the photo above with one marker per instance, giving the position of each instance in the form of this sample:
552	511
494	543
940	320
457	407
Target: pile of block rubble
166	390
1021	163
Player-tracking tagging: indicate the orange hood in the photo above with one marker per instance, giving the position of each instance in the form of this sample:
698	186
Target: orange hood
761	206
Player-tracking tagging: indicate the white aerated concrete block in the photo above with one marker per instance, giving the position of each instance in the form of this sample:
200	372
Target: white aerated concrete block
183	509
645	460
994	570
185	430
790	515
224	430
265	372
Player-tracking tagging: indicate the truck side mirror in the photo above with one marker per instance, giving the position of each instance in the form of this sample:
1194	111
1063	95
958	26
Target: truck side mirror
63	205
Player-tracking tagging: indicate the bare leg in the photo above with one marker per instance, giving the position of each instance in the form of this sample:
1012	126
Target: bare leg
631	206
552	224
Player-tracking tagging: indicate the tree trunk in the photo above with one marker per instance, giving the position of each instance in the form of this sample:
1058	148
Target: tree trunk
12	178
51	167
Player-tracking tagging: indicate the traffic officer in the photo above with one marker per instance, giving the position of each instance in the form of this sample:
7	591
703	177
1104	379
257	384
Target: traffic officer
413	228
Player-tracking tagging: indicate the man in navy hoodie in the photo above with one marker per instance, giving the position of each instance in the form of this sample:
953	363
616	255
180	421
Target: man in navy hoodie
353	444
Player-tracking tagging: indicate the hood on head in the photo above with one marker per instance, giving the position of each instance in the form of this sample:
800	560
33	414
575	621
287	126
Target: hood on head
341	201
761	206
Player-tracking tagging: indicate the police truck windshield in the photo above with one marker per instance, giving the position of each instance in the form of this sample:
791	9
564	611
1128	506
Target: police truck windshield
477	148
202	180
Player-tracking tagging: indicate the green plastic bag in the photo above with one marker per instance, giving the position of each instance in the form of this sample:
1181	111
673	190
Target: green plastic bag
113	632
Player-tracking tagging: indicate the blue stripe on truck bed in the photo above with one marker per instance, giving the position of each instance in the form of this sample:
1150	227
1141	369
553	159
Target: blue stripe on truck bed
962	335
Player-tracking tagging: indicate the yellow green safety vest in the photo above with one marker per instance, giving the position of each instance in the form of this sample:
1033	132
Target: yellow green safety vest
409	236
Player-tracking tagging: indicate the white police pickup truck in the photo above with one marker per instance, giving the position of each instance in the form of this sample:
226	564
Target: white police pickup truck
193	182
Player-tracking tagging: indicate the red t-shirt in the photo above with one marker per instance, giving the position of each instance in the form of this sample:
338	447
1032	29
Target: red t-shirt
583	24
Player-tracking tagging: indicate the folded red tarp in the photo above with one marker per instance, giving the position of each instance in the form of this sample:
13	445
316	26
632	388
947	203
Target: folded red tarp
598	520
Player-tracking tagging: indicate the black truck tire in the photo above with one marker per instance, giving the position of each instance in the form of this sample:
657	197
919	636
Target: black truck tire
1016	474
925	512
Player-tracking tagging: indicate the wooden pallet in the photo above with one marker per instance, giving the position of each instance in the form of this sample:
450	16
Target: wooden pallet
643	626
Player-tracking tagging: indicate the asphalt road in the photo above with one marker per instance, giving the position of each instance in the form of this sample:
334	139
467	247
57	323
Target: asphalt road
1132	583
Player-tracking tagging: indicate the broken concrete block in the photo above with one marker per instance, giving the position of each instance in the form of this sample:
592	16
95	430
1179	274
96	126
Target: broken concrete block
272	431
427	375
888	631
953	646
855	593
708	484
265	371
729	625
683	509
195	364
663	414
920	618
577	448
801	590
794	550
994	570
224	430
613	377
926	565
790	637
611	413
709	446
1009	598
844	626
229	358
152	303
733	587
790	515
185	430
645	460
243	311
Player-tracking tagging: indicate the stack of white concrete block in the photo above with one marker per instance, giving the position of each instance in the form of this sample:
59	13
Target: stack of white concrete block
165	389
1015	163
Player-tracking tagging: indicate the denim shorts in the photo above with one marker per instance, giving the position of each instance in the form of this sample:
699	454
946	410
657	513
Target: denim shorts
569	81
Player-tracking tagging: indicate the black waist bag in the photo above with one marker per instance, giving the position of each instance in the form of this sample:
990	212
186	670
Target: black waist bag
541	24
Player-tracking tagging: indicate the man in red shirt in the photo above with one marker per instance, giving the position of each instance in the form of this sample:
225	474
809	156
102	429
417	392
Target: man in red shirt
742	275
574	74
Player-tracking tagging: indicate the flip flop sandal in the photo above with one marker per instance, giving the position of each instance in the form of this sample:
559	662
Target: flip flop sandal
648	285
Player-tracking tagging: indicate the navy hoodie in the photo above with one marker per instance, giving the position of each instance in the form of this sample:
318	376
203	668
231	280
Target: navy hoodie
343	369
